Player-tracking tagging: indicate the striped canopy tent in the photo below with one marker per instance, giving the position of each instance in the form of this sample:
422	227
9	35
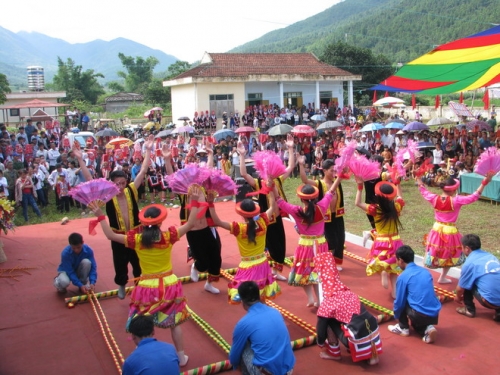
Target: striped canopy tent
465	64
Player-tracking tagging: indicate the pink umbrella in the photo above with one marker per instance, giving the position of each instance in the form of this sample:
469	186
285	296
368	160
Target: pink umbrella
303	131
245	129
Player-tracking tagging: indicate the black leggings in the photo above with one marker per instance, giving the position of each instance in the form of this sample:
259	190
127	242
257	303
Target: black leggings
122	256
206	250
335	236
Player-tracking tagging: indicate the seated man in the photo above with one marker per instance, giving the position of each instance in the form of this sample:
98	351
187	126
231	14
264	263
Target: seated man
261	342
150	356
415	298
480	278
77	266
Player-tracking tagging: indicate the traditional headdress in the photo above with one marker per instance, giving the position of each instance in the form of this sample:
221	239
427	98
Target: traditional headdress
247	214
302	195
453	187
386	189
156	220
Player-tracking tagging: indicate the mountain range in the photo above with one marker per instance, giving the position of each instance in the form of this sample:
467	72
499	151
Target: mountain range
402	30
22	49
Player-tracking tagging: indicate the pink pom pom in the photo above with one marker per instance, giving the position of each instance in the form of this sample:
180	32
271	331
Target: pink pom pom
363	168
489	161
268	164
344	156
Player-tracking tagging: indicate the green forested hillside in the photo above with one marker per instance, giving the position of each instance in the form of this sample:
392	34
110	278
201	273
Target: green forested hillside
400	29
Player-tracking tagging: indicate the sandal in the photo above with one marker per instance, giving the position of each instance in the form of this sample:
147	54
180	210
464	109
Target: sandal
463	311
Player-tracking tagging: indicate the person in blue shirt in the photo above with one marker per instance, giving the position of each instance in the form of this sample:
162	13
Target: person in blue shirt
415	298
261	342
151	357
78	266
479	278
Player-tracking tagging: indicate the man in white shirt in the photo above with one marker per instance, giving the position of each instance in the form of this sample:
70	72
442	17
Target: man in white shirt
52	156
54	175
235	164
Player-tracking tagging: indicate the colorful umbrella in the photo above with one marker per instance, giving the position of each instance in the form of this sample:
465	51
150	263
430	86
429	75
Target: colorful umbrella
394	125
183	129
389	102
439	121
119	142
329	125
374	126
245	129
463	65
476	125
303	131
415	126
223	134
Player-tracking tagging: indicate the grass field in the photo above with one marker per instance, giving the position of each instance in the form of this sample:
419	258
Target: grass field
481	218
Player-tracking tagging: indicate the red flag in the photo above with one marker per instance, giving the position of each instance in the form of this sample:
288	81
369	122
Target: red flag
386	94
413	101
436	106
486	99
461	100
374	96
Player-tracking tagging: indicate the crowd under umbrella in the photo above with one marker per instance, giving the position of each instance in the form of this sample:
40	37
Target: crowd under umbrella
120	142
303	131
183	129
329	125
478	125
223	134
374	126
318	118
439	121
107	133
280	129
415	126
164	133
394	125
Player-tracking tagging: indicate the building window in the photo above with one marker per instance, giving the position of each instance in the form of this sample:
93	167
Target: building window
325	94
14	112
292	95
255	96
222	97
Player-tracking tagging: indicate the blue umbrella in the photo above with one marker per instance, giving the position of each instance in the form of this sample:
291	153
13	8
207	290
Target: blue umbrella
415	126
424	144
394	125
223	133
374	126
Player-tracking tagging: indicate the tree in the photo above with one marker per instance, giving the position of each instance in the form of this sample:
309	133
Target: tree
4	88
360	61
177	68
139	72
156	94
78	84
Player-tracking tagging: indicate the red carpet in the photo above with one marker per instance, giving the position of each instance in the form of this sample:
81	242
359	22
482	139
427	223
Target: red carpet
40	335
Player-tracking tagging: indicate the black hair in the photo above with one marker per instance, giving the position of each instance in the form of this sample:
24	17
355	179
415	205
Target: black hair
58	165
450	181
387	208
249	292
125	165
471	240
308	215
406	254
142	326
75	239
248	205
117	174
151	233
327	164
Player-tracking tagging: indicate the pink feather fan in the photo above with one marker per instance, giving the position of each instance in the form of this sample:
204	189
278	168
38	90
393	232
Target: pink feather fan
98	191
489	161
363	168
410	152
183	179
221	183
268	164
344	156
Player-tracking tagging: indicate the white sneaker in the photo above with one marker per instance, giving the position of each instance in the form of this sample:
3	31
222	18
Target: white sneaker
398	330
339	268
367	235
212	289
121	291
430	334
194	274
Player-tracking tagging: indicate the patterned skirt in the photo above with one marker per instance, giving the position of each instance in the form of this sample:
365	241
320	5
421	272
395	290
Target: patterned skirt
303	271
160	296
382	256
443	247
255	268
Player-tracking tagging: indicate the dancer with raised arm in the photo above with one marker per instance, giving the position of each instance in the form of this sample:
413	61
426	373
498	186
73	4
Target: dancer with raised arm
443	248
158	292
275	237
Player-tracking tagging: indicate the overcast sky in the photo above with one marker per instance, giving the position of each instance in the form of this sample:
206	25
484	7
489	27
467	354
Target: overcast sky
182	28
